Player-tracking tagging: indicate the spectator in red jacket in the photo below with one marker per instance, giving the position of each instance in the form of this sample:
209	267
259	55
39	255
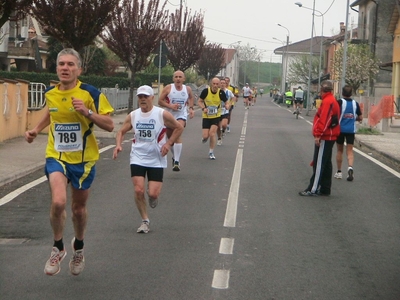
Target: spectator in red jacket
326	129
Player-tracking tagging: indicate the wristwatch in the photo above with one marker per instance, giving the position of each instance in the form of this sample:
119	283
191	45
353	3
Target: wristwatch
90	112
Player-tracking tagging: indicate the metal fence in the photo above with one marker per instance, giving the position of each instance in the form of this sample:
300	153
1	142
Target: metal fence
118	98
36	99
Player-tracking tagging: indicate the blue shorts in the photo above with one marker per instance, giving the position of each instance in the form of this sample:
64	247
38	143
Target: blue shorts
80	175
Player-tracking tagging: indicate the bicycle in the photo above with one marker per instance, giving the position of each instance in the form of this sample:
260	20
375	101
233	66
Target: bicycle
297	111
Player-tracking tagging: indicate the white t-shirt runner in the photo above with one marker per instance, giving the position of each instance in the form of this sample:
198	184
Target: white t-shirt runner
150	136
181	97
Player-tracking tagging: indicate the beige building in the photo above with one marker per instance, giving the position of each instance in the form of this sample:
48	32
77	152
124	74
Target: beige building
22	46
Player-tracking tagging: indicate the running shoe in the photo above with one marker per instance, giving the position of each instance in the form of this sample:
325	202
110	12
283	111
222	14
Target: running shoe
350	173
219	142
77	262
144	227
307	194
153	202
52	266
176	166
211	156
338	175
204	140
228	129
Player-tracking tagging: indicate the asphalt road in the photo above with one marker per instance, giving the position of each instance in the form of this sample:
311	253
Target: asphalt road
233	228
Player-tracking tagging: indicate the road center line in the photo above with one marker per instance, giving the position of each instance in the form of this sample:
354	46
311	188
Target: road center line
221	279
226	246
231	208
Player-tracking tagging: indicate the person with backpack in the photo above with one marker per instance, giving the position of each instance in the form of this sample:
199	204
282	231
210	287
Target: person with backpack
350	112
325	130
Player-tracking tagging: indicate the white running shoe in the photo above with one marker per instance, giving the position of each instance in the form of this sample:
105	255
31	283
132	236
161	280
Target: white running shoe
144	227
212	156
77	262
219	142
338	175
52	266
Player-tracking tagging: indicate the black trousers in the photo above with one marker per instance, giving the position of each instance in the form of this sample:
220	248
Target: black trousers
321	178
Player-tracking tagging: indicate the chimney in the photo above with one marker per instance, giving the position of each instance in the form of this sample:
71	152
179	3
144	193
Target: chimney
342	28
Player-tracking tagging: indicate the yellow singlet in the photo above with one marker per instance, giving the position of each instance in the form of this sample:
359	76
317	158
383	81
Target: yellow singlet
213	104
71	137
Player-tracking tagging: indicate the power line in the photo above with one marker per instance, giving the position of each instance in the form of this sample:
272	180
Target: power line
172	3
241	36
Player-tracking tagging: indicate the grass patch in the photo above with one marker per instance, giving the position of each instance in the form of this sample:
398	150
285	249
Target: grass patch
366	130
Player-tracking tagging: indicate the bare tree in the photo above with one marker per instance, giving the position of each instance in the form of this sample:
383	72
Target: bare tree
185	40
211	61
246	54
134	33
299	69
75	23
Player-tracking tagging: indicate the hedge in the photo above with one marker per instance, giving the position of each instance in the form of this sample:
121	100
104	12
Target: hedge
97	81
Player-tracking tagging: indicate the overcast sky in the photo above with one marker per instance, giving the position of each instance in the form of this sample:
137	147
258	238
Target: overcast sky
254	22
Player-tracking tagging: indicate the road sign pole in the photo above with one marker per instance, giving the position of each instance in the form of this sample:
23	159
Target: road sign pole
159	68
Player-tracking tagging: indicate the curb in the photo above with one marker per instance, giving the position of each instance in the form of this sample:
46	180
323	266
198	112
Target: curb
382	156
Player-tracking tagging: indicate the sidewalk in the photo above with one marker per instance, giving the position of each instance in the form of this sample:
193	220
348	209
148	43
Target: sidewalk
18	158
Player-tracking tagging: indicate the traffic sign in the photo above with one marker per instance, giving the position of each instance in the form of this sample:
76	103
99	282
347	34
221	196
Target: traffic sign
157	61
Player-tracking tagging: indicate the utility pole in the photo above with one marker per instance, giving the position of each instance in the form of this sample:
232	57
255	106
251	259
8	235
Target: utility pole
180	17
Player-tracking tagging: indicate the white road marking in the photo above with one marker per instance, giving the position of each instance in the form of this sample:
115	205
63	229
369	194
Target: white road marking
221	279
11	196
390	170
7	198
231	208
226	246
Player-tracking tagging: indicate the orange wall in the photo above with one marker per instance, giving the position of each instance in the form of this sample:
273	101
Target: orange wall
14	101
15	118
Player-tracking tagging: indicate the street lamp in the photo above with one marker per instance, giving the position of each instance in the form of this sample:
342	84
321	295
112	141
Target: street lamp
282	83
311	49
286	55
343	80
299	4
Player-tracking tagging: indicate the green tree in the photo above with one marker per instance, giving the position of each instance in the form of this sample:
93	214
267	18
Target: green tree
247	56
361	65
96	64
